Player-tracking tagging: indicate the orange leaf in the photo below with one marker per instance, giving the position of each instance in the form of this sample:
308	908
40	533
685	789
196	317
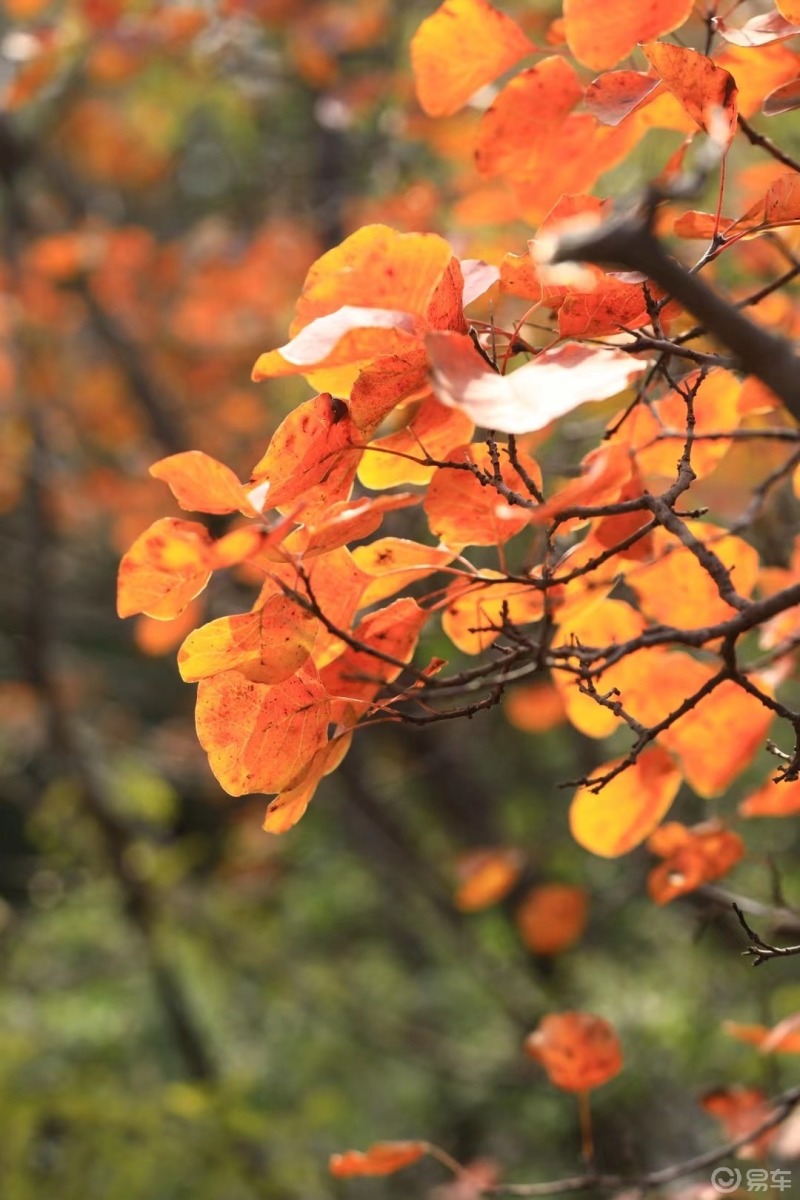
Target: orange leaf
312	456
759	74
615	94
700	855
579	1051
433	431
399	278
201	484
772	800
628	808
336	584
534	709
356	676
676	588
610	622
600	36
706	91
384	384
486	877
463	512
473	619
604	472
556	382
165	568
717	407
741	1110
552	917
462	46
286	809
258	737
529	111
611	303
719	737
351	520
159	637
790	9
268	645
395	563
384	1158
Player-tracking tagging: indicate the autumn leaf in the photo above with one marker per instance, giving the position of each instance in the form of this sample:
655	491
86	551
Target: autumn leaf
392	564
201	484
268	645
165	568
290	806
535	708
706	90
741	1110
772	800
463	511
373	296
312	457
615	94
384	1158
260	737
759	30
528	112
620	816
462	46
599	38
485	877
579	1051
432	432
475	615
691	856
358	674
552	917
554	383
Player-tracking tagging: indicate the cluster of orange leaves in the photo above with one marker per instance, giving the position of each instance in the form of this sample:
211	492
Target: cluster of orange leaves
403	379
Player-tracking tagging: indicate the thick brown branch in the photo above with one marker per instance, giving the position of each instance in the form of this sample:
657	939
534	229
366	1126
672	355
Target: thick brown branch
627	240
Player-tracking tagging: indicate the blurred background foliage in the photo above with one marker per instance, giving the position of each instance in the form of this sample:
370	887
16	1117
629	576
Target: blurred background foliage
189	1008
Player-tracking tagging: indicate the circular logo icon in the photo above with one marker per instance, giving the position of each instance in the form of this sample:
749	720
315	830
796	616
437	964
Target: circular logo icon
726	1179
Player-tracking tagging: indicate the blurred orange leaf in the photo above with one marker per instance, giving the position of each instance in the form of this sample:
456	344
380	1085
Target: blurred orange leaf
599	38
463	45
384	1158
579	1051
486	877
552	917
691	856
772	800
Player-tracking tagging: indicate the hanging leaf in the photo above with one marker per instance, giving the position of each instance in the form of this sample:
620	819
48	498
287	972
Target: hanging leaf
579	1051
